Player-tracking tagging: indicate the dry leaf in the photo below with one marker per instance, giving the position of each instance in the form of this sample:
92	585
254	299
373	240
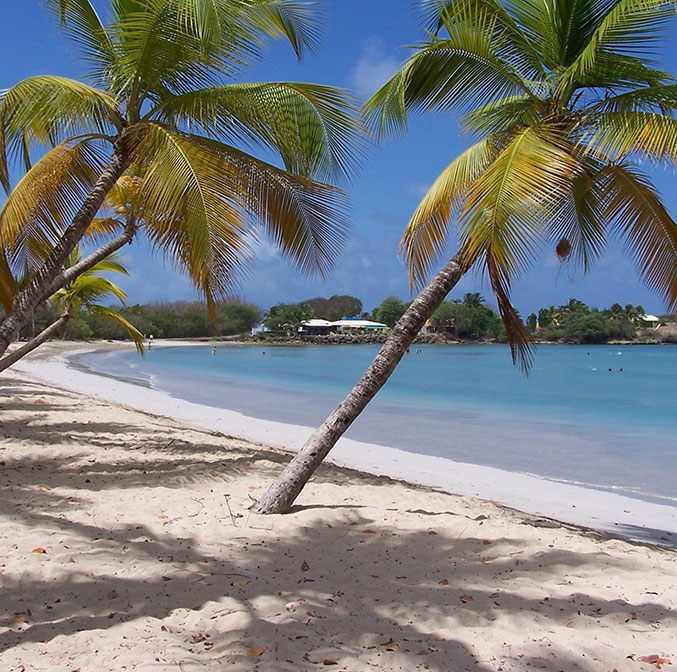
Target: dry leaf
466	598
112	594
305	566
326	661
256	651
368	531
486	542
162	515
38	550
444	582
655	660
19	618
240	583
44	488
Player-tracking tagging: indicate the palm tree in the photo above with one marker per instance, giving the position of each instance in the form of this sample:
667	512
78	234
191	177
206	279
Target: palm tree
155	102
82	294
563	98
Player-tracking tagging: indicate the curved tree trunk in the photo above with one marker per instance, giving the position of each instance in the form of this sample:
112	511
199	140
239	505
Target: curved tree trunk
17	354
281	495
76	270
40	285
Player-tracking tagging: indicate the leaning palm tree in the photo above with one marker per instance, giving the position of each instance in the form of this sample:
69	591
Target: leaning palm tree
563	99
83	294
155	102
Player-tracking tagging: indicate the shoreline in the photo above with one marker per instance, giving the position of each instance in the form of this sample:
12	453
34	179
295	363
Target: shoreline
617	515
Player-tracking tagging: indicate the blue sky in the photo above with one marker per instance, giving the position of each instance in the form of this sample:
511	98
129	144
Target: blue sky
361	48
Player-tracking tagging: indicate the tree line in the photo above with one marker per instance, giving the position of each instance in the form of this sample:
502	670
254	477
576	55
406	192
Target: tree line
575	322
180	319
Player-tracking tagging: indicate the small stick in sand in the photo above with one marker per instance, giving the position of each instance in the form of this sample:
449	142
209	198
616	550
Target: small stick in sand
232	517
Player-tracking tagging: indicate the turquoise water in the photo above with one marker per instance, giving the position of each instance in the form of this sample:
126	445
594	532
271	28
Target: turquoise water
577	418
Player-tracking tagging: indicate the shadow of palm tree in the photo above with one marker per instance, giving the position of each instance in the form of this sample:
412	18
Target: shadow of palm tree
373	596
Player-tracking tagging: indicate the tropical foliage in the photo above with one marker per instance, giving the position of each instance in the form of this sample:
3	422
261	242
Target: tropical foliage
82	296
563	99
389	310
164	320
575	322
335	307
469	318
159	116
287	317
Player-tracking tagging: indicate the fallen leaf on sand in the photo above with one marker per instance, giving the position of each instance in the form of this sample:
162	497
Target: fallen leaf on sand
256	651
38	550
112	594
326	661
305	566
466	598
44	488
19	618
240	583
368	531
444	582
162	515
655	660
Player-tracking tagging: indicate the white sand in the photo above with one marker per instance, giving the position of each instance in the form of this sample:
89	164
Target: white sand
620	515
152	560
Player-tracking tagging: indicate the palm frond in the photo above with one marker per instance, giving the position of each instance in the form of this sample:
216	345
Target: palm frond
204	199
628	27
114	316
298	22
8	284
44	201
625	133
581	219
425	236
508	208
314	128
473	65
82	24
655	98
47	110
636	213
435	15
503	115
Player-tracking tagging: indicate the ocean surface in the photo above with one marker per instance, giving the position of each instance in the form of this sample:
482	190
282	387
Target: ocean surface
603	417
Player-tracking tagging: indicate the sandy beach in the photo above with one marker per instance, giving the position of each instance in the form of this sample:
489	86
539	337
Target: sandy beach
127	543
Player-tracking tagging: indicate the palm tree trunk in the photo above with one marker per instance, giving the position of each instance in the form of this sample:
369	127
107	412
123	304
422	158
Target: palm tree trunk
17	354
92	259
41	283
281	494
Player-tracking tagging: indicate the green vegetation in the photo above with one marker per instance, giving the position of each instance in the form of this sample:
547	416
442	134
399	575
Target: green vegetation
575	322
163	320
286	318
335	308
389	310
160	115
470	318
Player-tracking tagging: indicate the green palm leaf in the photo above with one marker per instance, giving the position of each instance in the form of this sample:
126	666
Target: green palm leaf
650	234
46	110
314	128
203	201
424	239
43	202
115	317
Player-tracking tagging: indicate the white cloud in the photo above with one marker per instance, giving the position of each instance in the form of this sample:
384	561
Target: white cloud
374	67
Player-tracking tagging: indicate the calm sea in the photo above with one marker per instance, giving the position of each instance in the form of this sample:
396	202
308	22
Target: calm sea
600	416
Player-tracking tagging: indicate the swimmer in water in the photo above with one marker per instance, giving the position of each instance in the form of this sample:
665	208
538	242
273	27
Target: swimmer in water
213	350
